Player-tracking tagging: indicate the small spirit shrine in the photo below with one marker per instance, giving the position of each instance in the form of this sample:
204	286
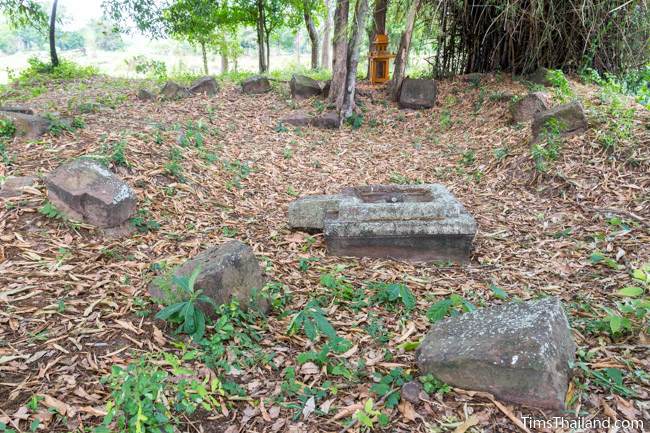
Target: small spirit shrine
379	60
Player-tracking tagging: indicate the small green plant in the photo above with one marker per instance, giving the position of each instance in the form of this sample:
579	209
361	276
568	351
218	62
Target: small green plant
173	167
549	148
229	232
445	121
117	155
287	153
452	306
355	120
560	84
468	157
433	385
388	386
50	211
399	178
281	128
392	294
7	128
370	416
313	322
143	223
501	153
186	313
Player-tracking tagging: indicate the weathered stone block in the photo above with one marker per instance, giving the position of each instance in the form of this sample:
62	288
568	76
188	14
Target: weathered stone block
173	90
205	85
520	352
230	271
17	109
309	212
417	94
530	105
304	87
14	186
85	190
327	120
146	96
569	119
27	125
255	85
409	222
299	119
540	76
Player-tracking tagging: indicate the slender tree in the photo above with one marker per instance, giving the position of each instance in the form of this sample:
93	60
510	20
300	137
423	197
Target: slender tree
327	30
354	45
399	68
307	9
339	53
53	56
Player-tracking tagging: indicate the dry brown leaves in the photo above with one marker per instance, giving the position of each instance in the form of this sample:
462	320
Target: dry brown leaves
69	295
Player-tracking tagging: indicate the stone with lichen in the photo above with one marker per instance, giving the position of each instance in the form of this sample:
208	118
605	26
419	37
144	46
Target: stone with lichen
520	352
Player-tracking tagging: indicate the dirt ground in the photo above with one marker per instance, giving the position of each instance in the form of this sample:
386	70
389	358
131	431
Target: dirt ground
74	302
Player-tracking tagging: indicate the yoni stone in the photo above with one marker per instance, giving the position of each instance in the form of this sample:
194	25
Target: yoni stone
417	94
28	125
520	352
569	119
173	90
304	87
527	107
205	85
255	85
85	190
230	271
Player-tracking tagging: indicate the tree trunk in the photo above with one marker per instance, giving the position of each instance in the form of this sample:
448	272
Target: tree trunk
267	34
313	34
261	52
53	56
224	63
327	29
296	47
378	25
339	53
403	51
205	58
360	15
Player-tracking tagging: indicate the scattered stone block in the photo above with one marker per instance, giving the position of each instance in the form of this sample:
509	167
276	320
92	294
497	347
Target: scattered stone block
520	352
325	85
27	125
85	190
303	87
298	119
15	185
540	76
230	271
417	94
17	109
409	222
568	118
173	90
205	85
411	391
146	96
530	105
255	85
308	213
327	120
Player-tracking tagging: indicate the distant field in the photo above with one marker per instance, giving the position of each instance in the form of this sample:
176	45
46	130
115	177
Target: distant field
177	58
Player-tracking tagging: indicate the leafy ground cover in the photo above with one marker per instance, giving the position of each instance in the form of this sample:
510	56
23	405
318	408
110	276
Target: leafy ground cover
81	348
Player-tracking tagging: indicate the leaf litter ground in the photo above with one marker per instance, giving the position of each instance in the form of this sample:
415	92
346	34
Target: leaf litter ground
74	302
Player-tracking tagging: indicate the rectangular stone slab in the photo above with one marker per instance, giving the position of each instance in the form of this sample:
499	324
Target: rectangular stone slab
406	222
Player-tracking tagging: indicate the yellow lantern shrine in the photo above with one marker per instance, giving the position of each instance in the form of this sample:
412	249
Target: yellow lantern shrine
379	60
